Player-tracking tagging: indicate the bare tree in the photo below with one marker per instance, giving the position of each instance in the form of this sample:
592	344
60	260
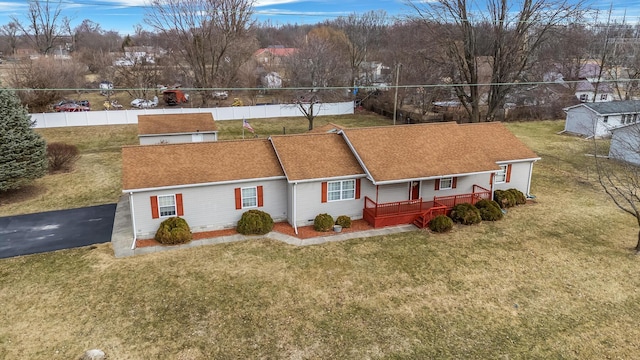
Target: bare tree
43	24
211	38
365	33
620	175
319	63
43	80
10	33
514	32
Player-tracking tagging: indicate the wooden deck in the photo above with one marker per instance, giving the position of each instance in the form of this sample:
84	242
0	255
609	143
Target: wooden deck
417	211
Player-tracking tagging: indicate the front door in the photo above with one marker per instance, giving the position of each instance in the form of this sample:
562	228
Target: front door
415	190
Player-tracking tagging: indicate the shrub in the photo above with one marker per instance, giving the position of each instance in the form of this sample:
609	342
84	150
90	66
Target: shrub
505	199
323	222
465	214
441	223
519	196
255	222
61	156
173	230
344	221
489	210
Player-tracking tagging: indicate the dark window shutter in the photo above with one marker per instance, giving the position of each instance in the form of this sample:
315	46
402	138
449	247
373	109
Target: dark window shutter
454	182
508	173
437	184
260	196
155	212
238	199
491	178
358	181
179	207
324	191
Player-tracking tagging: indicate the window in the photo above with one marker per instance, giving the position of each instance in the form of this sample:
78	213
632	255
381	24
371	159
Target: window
603	96
501	176
341	190
446	183
167	205
249	197
605	119
584	97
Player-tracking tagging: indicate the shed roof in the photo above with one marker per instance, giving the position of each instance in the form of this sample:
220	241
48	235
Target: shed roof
327	128
155	166
438	149
315	156
611	107
176	123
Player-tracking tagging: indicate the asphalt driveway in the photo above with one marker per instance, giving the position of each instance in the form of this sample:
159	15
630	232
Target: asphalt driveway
55	230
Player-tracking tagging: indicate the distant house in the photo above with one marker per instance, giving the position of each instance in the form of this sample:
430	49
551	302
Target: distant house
625	143
598	119
586	92
176	128
273	56
385	175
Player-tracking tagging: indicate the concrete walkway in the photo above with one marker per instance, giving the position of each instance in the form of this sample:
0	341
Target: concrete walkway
122	235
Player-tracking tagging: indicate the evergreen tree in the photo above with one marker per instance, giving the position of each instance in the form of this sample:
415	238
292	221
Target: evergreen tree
22	150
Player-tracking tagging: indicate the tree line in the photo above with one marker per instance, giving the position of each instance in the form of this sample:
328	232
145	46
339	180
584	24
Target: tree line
476	57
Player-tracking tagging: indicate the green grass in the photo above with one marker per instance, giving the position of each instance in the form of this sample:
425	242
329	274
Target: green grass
554	279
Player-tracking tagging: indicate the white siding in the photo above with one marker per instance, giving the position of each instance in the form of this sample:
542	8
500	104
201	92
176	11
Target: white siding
392	193
625	144
210	207
580	120
174	139
520	177
309	204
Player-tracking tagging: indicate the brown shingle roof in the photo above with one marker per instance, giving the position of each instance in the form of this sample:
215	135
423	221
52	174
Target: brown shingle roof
195	163
438	149
175	123
315	156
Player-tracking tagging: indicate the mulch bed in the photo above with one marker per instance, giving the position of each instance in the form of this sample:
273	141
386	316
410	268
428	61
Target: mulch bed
304	232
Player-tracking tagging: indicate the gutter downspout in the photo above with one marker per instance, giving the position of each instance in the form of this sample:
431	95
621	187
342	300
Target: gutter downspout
529	180
295	193
133	220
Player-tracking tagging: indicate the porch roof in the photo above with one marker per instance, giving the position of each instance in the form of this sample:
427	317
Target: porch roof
175	123
438	149
315	156
154	166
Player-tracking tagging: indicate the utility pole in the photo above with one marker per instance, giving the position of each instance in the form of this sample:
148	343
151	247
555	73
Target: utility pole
395	102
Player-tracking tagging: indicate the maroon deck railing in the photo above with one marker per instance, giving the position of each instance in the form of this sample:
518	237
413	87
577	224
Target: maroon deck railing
405	212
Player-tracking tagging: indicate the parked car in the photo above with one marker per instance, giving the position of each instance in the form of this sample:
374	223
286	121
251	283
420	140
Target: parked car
144	104
71	107
67	105
221	95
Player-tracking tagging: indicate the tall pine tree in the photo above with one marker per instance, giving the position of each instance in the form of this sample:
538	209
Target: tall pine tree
22	150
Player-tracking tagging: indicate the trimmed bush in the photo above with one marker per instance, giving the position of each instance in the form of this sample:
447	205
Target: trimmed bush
255	222
174	230
344	221
489	210
323	222
61	156
505	199
465	214
519	196
440	224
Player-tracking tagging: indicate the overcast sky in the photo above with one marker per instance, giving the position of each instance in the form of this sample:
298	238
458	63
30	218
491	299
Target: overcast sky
123	15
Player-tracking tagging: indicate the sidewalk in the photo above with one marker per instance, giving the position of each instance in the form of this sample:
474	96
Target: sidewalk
122	235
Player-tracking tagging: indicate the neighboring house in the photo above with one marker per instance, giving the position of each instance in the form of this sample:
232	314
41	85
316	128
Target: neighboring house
598	119
586	92
272	56
386	175
176	128
625	143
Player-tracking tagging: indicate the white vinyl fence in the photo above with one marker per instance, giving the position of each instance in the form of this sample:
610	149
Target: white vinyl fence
119	117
